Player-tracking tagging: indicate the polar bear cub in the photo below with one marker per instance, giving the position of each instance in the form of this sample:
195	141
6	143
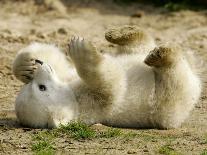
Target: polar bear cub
143	86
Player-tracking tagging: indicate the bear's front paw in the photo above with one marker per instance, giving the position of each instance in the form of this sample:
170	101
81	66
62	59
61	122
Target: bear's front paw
24	67
83	53
162	56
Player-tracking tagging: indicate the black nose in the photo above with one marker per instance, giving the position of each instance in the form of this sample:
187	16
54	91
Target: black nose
38	61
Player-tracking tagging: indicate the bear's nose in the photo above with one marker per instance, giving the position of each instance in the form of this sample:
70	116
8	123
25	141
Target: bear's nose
39	61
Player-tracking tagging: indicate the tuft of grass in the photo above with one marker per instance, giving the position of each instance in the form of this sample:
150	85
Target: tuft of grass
44	135
111	132
205	138
175	6
204	152
42	143
167	150
130	135
147	137
43	147
78	130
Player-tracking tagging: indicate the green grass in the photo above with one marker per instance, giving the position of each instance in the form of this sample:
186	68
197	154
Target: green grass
167	150
111	132
205	137
204	152
44	135
176	6
130	135
42	143
171	5
147	136
77	130
43	147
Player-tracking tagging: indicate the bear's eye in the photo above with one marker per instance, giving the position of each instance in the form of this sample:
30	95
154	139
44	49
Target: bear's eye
42	87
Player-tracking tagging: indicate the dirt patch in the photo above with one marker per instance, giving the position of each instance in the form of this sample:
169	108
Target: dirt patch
22	22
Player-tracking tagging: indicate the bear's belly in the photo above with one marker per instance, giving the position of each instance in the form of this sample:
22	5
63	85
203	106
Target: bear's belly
139	104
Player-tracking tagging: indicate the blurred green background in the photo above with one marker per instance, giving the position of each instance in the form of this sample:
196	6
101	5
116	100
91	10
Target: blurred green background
173	5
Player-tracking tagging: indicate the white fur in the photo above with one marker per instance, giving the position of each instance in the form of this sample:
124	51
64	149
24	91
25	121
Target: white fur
141	96
48	108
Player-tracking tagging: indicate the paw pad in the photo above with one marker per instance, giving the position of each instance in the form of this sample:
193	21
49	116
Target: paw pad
126	35
162	56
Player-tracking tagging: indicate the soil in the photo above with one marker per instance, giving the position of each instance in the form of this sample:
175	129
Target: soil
23	22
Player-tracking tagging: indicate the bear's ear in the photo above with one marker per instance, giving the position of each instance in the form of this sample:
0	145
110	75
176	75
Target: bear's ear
39	61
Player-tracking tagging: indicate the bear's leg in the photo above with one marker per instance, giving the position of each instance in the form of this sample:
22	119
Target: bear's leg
177	88
130	39
101	73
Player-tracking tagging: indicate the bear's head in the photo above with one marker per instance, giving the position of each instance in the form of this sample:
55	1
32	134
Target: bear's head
45	102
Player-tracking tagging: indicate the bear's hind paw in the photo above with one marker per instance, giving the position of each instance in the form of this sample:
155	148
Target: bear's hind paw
162	56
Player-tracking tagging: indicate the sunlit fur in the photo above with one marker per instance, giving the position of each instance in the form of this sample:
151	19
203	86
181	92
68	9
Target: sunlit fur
119	91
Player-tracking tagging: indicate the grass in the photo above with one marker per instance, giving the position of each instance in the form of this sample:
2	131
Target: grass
205	137
111	132
77	130
176	6
43	148
167	150
42	143
147	137
204	152
130	135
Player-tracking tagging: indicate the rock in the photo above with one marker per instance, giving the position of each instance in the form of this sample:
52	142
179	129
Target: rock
33	31
201	46
40	35
62	31
145	150
131	152
137	14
